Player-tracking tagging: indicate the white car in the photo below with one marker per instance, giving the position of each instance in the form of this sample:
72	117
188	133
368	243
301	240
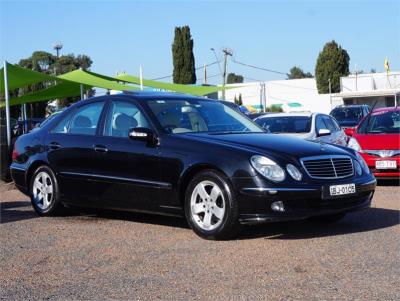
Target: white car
310	126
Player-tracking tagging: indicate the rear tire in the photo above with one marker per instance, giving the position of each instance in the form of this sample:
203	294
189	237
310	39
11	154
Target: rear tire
44	192
211	208
327	219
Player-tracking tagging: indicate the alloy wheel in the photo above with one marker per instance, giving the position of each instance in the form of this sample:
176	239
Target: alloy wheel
207	205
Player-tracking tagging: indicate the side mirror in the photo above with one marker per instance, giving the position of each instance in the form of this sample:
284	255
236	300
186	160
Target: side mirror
349	131
324	132
143	134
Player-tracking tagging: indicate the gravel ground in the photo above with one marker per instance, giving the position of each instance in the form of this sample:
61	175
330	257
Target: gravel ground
108	255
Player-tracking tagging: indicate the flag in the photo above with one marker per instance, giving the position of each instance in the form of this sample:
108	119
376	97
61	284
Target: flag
386	65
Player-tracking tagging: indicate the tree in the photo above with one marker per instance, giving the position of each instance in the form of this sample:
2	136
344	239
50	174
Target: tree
239	100
332	63
183	58
297	72
45	62
234	78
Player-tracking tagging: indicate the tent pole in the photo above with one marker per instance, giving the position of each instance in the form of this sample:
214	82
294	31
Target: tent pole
25	117
82	96
141	78
7	96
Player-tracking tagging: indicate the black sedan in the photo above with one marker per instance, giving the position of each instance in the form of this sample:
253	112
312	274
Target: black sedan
185	156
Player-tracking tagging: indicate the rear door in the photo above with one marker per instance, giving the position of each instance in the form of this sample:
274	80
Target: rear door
71	153
127	174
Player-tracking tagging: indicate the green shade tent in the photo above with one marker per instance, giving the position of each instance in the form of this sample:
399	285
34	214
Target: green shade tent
19	77
187	89
61	90
95	80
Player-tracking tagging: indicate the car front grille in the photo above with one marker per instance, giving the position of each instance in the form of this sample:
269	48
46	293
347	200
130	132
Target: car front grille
328	167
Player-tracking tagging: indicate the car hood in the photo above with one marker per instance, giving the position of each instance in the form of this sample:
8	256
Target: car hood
378	141
298	135
274	143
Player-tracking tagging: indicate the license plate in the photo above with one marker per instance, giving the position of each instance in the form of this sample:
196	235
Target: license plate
386	164
342	189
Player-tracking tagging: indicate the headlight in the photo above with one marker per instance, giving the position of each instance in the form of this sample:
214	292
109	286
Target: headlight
357	167
354	144
294	172
363	163
268	168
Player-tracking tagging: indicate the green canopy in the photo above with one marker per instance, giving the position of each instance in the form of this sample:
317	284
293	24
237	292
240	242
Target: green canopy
187	89
20	77
95	80
61	90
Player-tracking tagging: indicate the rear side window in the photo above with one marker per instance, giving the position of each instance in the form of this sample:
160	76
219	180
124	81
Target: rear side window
84	120
62	126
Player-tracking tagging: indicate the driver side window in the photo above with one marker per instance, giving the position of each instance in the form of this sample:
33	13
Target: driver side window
123	116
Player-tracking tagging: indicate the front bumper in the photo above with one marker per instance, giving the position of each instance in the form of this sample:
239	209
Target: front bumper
301	201
382	173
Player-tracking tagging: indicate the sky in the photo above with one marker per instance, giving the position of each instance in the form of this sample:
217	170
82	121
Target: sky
277	35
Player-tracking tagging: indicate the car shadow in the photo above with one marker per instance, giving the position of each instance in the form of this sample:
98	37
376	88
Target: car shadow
11	212
363	221
390	182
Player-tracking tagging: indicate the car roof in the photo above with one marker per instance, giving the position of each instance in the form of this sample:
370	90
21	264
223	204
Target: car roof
159	95
351	106
294	114
386	109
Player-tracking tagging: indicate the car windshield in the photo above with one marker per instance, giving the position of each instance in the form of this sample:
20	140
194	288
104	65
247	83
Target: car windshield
381	122
346	115
286	124
196	115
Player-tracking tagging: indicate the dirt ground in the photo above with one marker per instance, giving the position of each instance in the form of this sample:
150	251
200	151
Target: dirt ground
112	255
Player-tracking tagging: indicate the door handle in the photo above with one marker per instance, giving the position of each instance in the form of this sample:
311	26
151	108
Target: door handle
100	148
55	145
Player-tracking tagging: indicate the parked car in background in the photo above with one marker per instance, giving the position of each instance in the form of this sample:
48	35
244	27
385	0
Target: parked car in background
350	115
377	139
310	126
185	156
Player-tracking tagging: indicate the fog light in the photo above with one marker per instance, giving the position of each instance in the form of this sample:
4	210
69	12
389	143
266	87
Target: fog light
278	206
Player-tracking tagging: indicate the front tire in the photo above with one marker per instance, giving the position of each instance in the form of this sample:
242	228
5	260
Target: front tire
44	192
210	206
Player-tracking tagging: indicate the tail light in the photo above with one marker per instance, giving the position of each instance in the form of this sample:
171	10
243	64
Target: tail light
14	154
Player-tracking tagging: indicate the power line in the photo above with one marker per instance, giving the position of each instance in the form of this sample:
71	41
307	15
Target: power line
259	68
197	68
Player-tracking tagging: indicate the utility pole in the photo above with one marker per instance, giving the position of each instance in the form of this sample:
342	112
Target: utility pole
226	52
205	75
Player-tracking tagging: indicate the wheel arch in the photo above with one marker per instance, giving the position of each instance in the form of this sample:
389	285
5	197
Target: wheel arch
190	173
31	169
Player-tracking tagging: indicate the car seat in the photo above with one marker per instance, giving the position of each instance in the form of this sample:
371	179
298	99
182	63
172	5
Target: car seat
121	124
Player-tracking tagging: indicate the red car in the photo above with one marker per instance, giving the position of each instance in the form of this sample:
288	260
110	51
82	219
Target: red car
377	139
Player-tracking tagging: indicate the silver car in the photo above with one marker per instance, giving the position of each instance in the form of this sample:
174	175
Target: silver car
310	126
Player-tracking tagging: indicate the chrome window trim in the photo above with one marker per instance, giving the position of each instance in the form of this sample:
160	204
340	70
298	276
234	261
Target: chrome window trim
327	157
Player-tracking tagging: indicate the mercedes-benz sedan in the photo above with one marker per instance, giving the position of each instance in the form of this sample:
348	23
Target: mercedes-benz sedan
185	156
